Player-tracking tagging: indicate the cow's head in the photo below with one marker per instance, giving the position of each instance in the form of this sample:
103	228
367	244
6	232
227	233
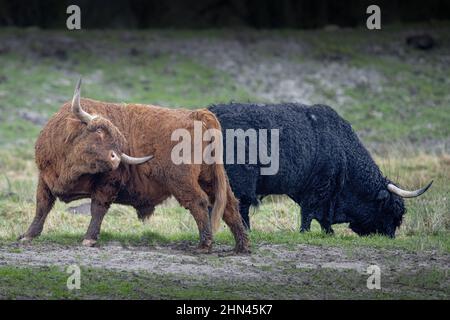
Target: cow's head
98	146
381	213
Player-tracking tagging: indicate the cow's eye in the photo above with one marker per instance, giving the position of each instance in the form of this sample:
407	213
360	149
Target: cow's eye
99	131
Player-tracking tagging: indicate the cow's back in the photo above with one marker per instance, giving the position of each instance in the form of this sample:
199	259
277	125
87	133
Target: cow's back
297	147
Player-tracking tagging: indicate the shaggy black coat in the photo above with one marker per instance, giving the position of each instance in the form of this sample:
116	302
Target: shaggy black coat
323	167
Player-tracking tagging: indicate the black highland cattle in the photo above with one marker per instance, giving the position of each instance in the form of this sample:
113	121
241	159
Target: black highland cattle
323	167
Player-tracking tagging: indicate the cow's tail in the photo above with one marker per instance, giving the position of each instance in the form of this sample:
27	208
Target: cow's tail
220	202
220	179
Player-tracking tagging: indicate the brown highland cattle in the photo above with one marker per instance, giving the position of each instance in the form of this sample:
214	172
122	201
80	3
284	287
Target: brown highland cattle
82	153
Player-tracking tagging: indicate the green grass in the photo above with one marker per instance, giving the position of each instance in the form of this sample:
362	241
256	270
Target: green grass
50	283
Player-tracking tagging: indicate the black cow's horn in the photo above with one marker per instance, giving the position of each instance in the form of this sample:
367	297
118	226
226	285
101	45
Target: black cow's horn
406	193
76	106
132	160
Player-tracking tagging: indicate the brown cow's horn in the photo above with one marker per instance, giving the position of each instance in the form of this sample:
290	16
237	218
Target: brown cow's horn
76	106
406	193
132	160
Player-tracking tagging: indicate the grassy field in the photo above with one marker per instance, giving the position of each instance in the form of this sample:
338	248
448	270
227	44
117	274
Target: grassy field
396	97
49	283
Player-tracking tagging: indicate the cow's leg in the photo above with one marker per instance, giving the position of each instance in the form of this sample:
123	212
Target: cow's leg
44	203
307	214
306	219
98	211
244	209
325	223
327	219
193	198
199	210
326	227
234	222
101	200
335	186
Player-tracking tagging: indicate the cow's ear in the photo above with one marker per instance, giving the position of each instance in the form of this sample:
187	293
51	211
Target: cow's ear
73	129
382	195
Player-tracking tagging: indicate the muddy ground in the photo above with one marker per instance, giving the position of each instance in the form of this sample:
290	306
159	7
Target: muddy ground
295	267
182	259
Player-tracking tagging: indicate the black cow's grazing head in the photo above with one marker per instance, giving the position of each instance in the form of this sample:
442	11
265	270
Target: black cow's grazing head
382	213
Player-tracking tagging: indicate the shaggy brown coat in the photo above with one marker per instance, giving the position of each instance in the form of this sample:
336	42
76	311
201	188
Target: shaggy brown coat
77	160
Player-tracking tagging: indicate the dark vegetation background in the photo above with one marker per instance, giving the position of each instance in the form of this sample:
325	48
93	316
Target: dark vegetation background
217	13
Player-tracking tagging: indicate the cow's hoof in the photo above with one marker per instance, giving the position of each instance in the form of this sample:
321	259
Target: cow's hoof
89	242
242	250
202	250
24	240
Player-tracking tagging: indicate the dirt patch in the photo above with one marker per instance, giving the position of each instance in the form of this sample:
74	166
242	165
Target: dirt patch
273	263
